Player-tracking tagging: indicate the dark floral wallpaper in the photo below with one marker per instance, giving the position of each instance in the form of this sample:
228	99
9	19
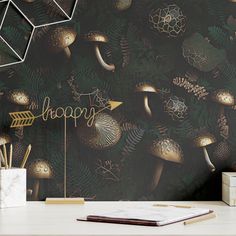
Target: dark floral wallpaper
120	99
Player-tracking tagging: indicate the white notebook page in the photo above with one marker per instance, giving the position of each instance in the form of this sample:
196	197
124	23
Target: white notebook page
162	215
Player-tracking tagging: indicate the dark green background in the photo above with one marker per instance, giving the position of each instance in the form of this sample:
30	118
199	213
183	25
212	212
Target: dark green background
152	58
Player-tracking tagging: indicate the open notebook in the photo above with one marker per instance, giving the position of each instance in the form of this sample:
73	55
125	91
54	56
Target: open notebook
150	216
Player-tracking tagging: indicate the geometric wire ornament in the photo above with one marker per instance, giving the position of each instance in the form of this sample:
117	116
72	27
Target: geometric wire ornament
20	12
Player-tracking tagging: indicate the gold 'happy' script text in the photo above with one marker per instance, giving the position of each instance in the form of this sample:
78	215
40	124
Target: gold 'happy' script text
68	113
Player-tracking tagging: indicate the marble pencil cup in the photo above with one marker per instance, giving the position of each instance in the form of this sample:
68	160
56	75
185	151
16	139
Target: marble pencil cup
12	187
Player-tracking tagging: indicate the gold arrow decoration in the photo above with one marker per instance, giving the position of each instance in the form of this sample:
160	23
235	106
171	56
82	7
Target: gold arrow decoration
114	104
22	119
26	118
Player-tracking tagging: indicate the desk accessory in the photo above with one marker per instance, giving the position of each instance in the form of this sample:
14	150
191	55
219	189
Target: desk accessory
104	122
229	188
78	200
165	205
200	218
12	187
12	180
151	216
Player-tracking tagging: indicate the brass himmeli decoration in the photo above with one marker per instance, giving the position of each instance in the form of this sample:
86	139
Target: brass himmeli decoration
21	55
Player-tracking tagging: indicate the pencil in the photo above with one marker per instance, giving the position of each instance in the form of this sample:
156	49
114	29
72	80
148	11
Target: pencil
2	158
10	156
26	156
5	155
200	218
165	205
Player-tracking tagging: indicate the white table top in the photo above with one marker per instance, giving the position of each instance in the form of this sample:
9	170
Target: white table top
40	219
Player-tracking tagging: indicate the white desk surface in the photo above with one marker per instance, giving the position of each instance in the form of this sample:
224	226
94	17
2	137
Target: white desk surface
38	219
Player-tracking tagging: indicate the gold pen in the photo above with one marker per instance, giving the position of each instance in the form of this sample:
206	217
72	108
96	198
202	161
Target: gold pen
165	205
200	218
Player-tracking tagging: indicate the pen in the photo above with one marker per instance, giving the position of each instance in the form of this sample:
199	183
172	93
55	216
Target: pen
26	156
165	205
200	218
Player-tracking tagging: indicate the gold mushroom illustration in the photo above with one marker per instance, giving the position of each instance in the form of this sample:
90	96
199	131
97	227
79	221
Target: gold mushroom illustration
39	170
18	97
61	38
164	149
223	97
121	5
104	133
146	90
98	38
202	141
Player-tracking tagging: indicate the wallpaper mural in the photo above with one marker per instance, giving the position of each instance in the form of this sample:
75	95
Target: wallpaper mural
136	97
